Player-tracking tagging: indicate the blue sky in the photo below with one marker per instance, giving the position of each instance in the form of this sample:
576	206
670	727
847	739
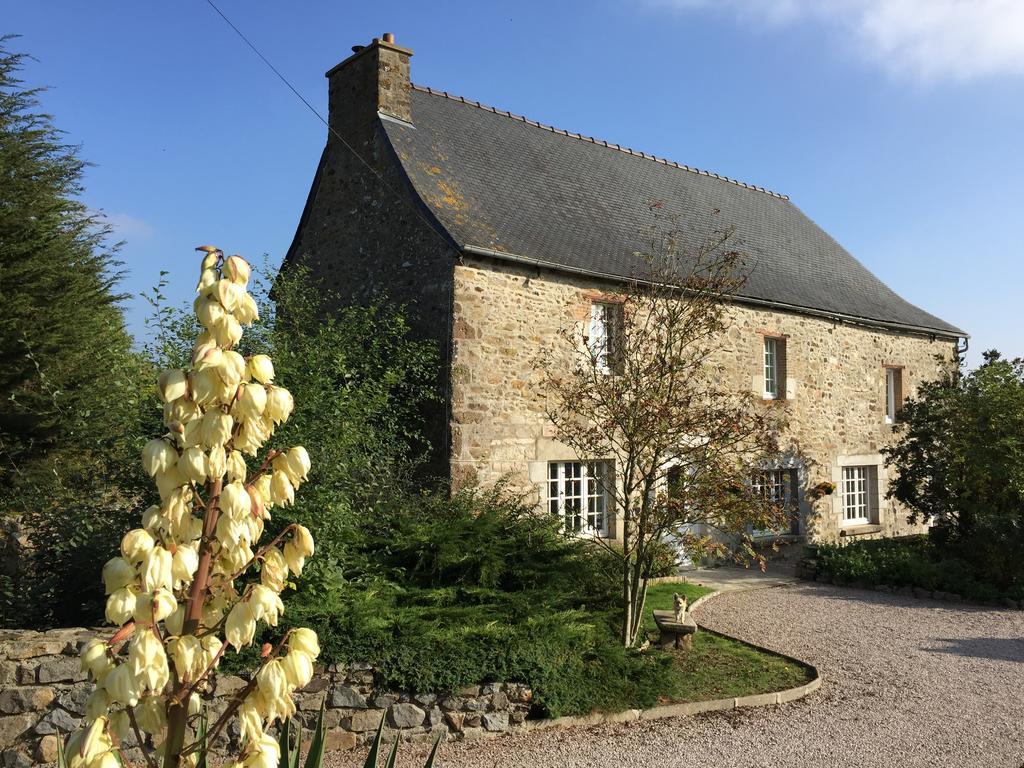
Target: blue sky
895	124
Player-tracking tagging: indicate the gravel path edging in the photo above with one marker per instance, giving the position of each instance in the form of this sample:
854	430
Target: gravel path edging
690	708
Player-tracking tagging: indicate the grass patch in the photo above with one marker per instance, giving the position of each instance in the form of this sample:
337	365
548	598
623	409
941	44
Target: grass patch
717	667
444	591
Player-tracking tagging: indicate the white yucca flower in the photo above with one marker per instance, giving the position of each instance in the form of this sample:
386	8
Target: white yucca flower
183	589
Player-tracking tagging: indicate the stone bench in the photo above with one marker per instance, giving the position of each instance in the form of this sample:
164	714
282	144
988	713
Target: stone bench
674	634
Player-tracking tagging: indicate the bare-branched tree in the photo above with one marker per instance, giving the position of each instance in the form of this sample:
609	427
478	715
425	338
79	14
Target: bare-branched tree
641	396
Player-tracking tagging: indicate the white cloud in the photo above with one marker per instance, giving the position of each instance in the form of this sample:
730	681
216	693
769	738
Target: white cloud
921	39
127	226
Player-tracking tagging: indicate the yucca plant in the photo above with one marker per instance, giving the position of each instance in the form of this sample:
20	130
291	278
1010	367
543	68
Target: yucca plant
199	575
291	750
371	759
315	758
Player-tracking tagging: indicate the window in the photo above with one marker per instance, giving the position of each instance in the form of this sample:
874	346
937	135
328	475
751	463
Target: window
774	367
859	495
603	335
778	486
578	495
677	480
893	393
775	485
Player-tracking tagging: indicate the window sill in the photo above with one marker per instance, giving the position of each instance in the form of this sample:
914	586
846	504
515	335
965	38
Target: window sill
767	538
860	530
588	536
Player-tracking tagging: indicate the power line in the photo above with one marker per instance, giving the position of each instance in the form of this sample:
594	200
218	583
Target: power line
322	119
445	241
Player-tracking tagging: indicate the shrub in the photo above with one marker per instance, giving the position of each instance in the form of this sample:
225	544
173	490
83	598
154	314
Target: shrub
913	561
364	383
443	592
663	560
959	463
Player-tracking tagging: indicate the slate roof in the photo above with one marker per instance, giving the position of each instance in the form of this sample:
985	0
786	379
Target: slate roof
503	183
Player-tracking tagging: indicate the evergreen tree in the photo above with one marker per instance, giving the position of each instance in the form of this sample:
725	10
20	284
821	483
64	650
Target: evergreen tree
61	324
69	382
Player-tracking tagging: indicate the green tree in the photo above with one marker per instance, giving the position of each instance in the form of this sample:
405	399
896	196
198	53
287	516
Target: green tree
366	384
69	393
647	393
61	331
959	463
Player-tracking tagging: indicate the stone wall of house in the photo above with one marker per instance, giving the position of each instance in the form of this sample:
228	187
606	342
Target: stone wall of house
363	234
43	694
363	238
507	314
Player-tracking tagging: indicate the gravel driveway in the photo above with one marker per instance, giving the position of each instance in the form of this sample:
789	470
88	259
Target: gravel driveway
906	683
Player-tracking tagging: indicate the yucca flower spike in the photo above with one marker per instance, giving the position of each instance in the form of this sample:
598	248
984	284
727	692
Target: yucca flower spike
183	589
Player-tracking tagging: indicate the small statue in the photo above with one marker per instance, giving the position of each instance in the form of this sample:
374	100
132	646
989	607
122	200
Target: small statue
679	601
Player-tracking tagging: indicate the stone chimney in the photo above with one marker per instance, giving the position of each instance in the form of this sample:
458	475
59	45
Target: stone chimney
375	78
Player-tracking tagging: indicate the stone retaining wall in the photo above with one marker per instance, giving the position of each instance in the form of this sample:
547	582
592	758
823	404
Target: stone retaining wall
43	693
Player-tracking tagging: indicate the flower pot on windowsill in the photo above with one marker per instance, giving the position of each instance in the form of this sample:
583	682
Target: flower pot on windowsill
822	489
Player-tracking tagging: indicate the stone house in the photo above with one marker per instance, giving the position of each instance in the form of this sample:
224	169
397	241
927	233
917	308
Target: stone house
496	231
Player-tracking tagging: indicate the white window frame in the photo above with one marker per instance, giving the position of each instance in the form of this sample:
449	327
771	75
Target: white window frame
577	494
602	335
890	394
771	368
777	485
857	494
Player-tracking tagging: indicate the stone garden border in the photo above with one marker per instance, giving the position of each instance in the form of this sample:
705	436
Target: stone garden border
43	694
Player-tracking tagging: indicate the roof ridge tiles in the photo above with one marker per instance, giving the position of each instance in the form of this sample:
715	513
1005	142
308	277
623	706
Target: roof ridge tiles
597	142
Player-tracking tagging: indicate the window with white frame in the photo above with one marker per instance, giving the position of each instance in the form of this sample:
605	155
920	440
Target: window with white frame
778	487
603	335
774	367
859	495
578	495
893	393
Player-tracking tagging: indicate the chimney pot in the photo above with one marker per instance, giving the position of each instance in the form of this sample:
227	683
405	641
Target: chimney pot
389	37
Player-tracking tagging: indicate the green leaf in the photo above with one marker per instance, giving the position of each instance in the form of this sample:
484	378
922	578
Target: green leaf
204	724
284	745
433	753
315	758
296	753
393	756
62	761
371	759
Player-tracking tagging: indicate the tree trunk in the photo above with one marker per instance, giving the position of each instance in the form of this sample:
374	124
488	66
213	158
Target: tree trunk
627	600
177	714
627	604
640	600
